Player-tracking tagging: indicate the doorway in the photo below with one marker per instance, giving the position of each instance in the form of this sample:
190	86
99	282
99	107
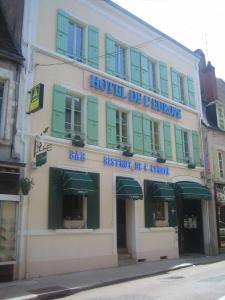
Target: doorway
121	224
190	230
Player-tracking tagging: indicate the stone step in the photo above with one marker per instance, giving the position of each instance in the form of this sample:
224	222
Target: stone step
126	262
124	256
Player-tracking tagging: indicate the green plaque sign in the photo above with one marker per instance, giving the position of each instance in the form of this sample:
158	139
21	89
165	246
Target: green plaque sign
41	159
36	98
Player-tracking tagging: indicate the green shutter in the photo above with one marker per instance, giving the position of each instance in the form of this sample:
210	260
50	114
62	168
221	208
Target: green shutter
58	111
62	32
144	72
93	46
135	58
172	213
191	92
92	120
175	85
137	133
93	203
196	148
111	125
220	117
147	138
55	214
163	79
178	140
110	55
167	140
149	208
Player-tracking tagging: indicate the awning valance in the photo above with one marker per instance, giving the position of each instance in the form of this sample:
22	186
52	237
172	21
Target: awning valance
76	183
191	190
128	188
161	191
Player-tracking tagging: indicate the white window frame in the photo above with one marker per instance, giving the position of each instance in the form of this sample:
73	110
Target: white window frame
156	65
118	109
221	163
125	75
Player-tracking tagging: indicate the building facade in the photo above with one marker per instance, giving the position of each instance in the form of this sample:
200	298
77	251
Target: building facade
115	149
213	128
11	150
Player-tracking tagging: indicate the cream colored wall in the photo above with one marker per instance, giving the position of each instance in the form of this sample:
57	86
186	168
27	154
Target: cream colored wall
50	251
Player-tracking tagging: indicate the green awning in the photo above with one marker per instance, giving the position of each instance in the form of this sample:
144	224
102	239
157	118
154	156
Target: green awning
191	190
76	183
161	191
128	188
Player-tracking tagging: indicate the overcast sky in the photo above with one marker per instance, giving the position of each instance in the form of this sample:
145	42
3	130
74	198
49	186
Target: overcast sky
193	23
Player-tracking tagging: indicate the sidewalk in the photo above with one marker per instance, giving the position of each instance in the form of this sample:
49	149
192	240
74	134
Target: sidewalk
66	284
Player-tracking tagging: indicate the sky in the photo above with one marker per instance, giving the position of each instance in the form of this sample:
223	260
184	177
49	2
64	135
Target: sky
194	23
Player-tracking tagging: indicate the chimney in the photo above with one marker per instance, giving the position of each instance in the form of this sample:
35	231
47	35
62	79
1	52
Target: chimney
209	83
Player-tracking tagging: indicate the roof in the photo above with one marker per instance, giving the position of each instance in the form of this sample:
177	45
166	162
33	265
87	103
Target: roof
7	47
123	10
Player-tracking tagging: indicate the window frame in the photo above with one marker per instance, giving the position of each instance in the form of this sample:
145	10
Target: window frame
6	77
165	221
82	114
125	48
189	158
221	163
153	88
76	23
121	144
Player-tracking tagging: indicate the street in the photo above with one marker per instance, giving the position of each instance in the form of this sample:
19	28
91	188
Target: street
197	282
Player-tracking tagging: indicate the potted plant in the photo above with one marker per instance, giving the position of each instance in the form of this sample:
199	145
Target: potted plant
25	185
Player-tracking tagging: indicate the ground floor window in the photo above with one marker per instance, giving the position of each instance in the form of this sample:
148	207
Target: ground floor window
74	211
8	220
159	211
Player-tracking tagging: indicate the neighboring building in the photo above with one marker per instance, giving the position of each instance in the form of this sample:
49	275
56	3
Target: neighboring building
122	104
213	102
11	157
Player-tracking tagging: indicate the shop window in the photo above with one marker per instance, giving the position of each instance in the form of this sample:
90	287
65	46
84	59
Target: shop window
74	211
1	100
221	164
8	218
75	40
159	211
121	129
73	116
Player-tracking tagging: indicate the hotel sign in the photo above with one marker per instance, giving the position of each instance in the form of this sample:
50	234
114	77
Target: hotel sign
120	91
36	98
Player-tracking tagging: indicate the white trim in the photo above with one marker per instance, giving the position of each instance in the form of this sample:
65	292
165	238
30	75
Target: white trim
110	77
156	229
187	178
8	197
11	262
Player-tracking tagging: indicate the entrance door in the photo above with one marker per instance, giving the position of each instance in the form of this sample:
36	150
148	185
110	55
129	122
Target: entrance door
121	223
190	226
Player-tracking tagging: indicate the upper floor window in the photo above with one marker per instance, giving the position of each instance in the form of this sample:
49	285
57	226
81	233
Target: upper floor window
220	117
152	75
155	138
121	129
115	58
185	145
75	41
1	100
221	164
73	116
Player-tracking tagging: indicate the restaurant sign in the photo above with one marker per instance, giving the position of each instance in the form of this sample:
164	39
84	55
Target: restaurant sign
120	91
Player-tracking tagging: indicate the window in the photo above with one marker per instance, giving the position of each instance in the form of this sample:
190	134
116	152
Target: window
221	166
1	100
185	146
155	137
73	116
152	75
121	129
75	41
74	211
220	117
120	61
181	83
159	211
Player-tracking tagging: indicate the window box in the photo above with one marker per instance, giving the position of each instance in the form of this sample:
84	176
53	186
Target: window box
78	141
73	224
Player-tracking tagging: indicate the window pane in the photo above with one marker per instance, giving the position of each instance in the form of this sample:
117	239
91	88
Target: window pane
120	60
77	102
8	215
152	75
79	42
68	121
1	98
185	145
118	127
72	207
181	87
156	136
70	40
124	127
221	164
159	211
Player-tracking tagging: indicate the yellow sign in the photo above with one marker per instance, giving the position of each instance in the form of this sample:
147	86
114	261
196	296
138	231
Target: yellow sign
36	98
